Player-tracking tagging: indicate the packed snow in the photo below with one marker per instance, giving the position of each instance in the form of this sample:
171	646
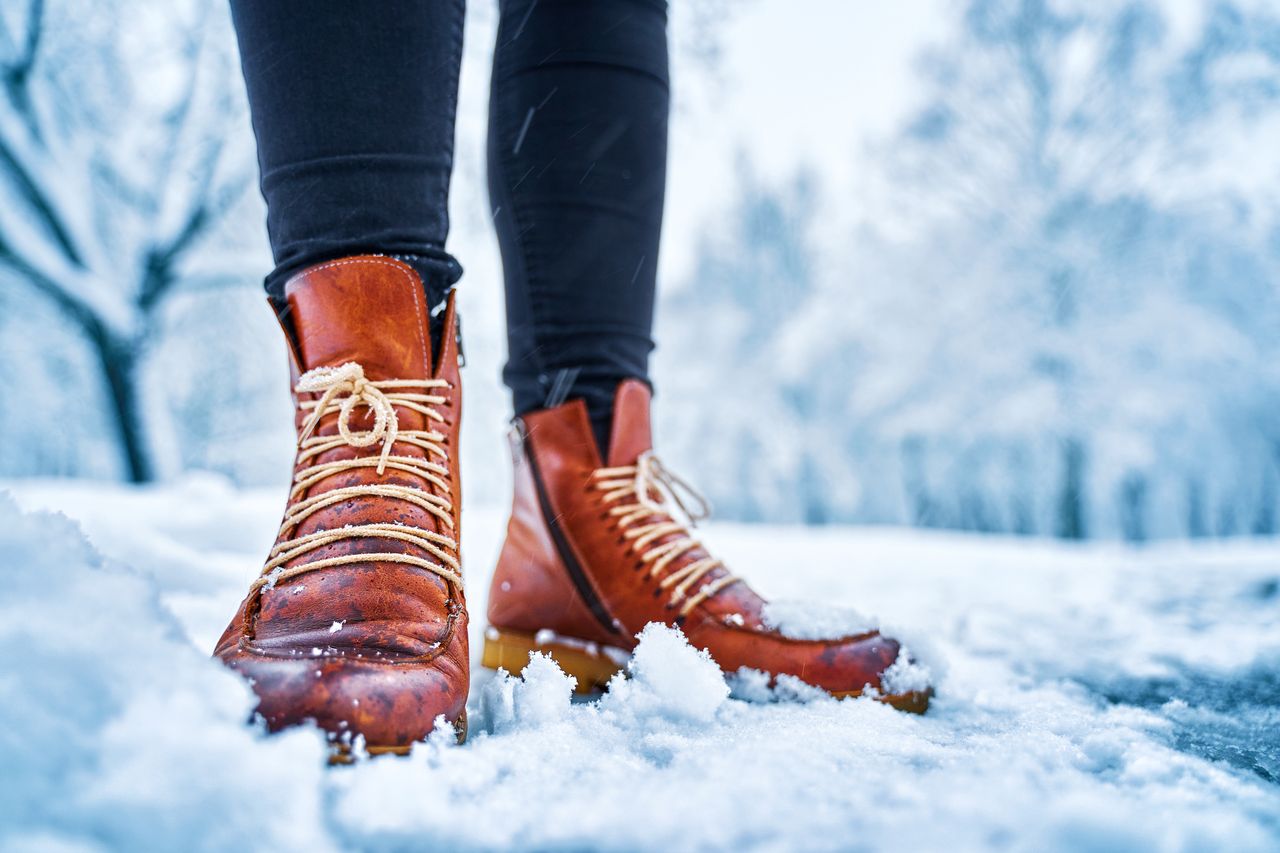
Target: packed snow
1095	697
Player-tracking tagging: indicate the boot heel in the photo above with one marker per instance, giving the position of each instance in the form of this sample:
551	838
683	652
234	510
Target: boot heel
590	664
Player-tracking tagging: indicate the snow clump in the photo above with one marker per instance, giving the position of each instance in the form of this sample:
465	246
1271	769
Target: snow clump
669	678
811	620
906	675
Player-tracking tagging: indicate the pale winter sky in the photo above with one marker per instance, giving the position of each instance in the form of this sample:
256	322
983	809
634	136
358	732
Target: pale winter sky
801	83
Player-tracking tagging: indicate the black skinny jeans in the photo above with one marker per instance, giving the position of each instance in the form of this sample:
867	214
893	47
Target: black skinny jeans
353	108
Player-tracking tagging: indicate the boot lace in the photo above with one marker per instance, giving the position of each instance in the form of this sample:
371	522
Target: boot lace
646	518
342	389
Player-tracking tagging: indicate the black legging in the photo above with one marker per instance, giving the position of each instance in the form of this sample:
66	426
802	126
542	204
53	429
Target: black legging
353	108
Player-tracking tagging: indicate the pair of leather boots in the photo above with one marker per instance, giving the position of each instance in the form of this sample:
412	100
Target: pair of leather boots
358	621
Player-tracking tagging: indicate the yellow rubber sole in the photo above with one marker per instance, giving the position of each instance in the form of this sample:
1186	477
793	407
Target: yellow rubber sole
589	665
592	667
341	753
915	702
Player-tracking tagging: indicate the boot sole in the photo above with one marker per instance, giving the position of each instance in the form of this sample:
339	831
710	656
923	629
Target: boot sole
341	753
592	667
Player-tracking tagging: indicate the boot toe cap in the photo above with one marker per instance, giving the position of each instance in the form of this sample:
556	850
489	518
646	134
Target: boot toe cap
842	666
391	705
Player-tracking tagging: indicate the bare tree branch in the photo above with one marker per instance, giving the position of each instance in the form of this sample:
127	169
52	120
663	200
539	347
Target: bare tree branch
71	305
17	74
29	190
159	277
211	282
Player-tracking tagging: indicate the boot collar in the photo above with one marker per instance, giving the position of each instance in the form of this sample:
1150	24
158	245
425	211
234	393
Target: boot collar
368	309
631	434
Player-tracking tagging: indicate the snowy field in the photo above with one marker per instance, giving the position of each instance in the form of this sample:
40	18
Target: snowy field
1094	698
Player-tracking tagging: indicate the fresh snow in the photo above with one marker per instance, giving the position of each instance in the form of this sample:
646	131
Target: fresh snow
1094	697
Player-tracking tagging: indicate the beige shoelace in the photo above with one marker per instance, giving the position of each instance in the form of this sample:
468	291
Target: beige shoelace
641	482
343	389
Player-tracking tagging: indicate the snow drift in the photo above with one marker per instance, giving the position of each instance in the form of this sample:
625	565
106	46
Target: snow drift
1095	698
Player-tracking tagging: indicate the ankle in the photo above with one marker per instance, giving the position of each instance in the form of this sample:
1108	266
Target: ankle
601	427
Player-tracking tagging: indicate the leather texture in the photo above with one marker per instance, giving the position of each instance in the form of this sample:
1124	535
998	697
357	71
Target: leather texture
379	648
535	588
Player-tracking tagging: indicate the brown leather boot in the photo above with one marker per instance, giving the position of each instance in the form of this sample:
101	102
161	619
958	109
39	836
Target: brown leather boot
595	553
358	621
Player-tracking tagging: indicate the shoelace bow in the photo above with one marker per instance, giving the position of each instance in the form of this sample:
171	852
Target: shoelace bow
647	519
343	389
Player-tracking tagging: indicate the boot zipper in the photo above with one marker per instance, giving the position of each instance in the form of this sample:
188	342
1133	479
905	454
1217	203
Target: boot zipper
567	557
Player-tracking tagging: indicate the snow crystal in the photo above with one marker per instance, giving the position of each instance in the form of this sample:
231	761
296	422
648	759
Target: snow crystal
805	620
753	685
906	675
540	696
543	694
494	698
337	626
923	649
788	688
750	685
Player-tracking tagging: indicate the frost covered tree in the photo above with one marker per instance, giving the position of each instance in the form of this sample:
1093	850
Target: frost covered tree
115	167
1063	320
1119	269
752	275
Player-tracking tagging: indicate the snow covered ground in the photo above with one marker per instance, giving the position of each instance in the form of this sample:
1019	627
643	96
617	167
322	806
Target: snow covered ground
1095	697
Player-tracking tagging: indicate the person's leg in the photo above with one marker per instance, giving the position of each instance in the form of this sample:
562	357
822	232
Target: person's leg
358	621
353	109
577	172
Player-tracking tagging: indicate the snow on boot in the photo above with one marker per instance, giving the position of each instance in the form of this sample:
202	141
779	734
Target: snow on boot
594	552
358	620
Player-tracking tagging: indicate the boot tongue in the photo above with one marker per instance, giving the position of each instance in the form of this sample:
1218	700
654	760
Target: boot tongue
631	434
366	309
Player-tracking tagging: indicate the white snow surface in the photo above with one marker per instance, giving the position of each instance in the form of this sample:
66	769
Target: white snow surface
1095	698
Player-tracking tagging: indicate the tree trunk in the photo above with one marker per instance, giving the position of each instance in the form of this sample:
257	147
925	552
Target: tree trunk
1071	509
1197	526
119	361
1133	507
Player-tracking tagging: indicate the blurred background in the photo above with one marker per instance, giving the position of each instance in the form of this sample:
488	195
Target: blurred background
994	265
